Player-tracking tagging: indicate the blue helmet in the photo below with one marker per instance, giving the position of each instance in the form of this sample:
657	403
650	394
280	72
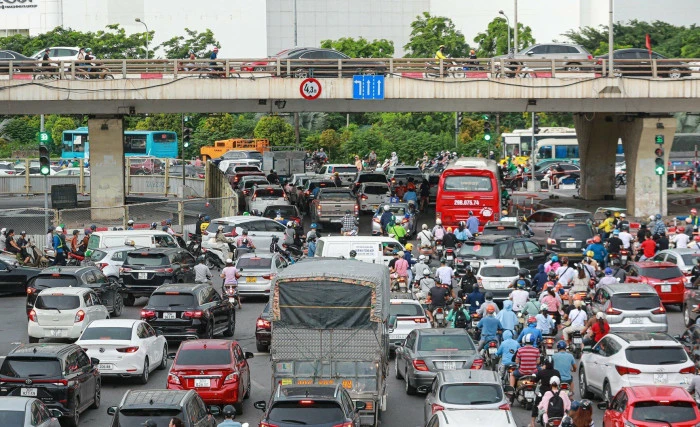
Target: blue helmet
521	283
527	339
206	218
658	216
561	345
314	225
555	258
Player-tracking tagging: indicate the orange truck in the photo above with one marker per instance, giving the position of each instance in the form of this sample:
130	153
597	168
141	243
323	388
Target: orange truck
221	147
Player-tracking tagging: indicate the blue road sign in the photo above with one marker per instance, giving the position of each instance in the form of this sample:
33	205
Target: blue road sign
367	87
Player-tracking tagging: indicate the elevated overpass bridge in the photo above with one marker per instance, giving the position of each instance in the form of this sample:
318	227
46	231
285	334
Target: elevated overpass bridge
633	104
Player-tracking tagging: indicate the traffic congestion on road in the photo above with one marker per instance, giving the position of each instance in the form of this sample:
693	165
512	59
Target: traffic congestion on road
350	295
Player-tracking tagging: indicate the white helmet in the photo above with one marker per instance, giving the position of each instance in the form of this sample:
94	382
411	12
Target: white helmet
652	217
554	380
386	207
424	226
130	222
229	261
426	272
421	258
220	228
600	315
59	229
623	215
688	220
438	221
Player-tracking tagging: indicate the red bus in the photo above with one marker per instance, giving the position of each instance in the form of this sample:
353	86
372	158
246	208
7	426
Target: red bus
469	184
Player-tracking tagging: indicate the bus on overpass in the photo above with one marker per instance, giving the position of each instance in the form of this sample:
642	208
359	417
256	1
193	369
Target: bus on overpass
137	143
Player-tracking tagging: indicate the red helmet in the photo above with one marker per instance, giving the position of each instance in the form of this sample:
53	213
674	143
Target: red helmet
697	238
490	309
531	319
549	284
596	239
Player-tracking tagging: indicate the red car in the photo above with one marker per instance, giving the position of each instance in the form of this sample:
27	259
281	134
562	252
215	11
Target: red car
668	406
216	369
665	277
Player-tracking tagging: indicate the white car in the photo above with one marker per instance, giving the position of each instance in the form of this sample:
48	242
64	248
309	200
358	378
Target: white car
109	260
7	169
125	347
257	271
64	313
224	164
260	229
72	172
626	359
372	194
477	417
262	196
59	53
497	275
405	315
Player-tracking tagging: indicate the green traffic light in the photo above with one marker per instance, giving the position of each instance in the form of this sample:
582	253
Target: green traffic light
186	144
44	170
659	170
487	137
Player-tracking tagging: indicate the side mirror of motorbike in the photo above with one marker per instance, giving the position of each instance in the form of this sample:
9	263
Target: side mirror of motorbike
603	405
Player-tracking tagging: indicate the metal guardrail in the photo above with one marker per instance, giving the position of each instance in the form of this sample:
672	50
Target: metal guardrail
457	68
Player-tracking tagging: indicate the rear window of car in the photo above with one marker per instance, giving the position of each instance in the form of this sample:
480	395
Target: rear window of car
498	271
445	343
471	394
266	193
663	412
307	412
60	281
376	189
372	177
12	418
97	255
635	301
31	367
656	355
106	333
337	196
147	259
284	211
254	262
345	169
172	300
571	230
475	249
57	302
405	310
249	183
501	230
245	169
661	273
408	171
210	356
137	416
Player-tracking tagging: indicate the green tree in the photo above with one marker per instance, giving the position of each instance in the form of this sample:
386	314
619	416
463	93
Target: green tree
361	48
494	41
161	121
58	126
429	32
274	128
178	47
244	125
22	130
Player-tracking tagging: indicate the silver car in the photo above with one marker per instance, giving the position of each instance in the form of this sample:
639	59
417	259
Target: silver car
257	271
630	307
425	352
110	260
684	258
571	57
464	389
405	315
541	221
403	217
27	412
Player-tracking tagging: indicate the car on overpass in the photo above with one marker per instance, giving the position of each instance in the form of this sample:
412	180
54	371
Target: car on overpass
317	62
572	57
9	55
638	63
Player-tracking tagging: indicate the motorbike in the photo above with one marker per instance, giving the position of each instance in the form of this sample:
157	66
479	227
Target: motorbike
576	345
400	284
620	179
547	346
490	358
474	331
215	255
624	256
231	292
37	258
450	256
439	248
427	251
520	325
525	391
295	252
439	317
73	259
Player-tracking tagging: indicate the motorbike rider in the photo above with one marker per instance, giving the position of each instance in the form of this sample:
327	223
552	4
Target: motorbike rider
695	272
202	274
552	265
311	246
59	245
564	362
680	239
244	241
527	357
543	377
401	267
694	219
312	232
599	251
449	240
154	226
606	227
475	299
489	326
230	274
626	237
425	237
220	241
599	328
467	283
397	231
438	231
507	317
488	302
458	321
440	54
614	243
532	330
507	350
197	226
617	271
609	279
554	393
472	224
438	296
204	225
565	273
349	222
519	296
622	222
426	283
540	279
275	248
445	274
82	247
577	320
524	275
385	219
532	307
545	321
424	191
229	412
659	226
419	267
462	233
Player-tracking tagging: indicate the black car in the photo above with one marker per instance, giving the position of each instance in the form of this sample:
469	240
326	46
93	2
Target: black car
60	375
263	329
363	177
144	270
569	237
528	253
320	62
638	63
14	278
506	228
189	311
316	405
10	55
160	406
91	277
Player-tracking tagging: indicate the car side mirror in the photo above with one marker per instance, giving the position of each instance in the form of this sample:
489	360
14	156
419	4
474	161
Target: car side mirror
547	231
57	414
214	410
587	349
360	405
94	361
423	389
171	355
603	405
249	355
159	332
110	411
260	404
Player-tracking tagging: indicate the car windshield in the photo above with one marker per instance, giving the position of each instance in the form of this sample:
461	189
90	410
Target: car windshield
307	412
345	169
397	309
11	418
55	281
172	299
635	301
31	367
147	259
689	259
372	177
97	255
477	250
138	417
498	271
656	355
254	262
444	343
661	273
269	193
106	333
208	356
471	394
668	412
284	211
571	231
376	189
467	183
501	230
337	196
57	302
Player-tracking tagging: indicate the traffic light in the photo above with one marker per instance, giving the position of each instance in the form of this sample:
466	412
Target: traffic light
487	130
44	161
186	136
459	121
659	139
660	164
536	126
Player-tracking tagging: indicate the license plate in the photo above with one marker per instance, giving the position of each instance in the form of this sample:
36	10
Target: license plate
56	333
492	350
475	324
449	366
578	340
569	245
529	394
665	288
202	382
169	316
660	378
450	257
105	366
250	279
439	247
636	320
143	276
28	392
550	351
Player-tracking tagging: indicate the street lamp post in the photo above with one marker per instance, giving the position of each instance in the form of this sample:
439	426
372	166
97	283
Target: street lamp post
144	24
508	23
515	36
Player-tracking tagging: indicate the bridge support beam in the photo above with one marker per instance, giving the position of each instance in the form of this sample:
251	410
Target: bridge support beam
107	167
597	136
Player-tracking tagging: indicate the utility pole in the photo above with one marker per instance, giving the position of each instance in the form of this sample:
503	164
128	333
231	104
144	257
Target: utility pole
515	36
532	150
610	39
46	182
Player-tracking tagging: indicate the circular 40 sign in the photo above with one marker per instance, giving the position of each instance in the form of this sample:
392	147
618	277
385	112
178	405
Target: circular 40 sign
310	89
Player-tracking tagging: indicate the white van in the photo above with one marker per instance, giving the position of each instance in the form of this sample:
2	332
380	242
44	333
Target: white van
371	249
136	238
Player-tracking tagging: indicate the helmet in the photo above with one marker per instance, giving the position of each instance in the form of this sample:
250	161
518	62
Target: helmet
575	405
154	225
544	307
608	271
93	227
421	257
449	229
596	239
549	284
681	229
577	302
442	46
229	411
458	302
426	272
409	246
590	254
527	339
229	261
561	344
554	380
130	222
59	229
246	213
688	220
393	219
353	254
697	238
623	215
87	231
164	228
600	315
169	221
490	309
532	295
551	273
531	319
220	228
651	217
401	254
555	258
658	216
488	296
617	214
616	232
585	404
521	284
462	223
438	221
386	208
523	272
290	224
313	225
86	50
216	49
608	213
693	211
206	218
275	239
74	232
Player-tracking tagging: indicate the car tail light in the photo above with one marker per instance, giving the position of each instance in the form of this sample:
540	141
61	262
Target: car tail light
132	349
307	192
688	370
252	199
612	310
477	364
435	407
369	405
306	402
551	241
173	379
404	221
246	192
660	310
194	314
148	314
504	407
101	265
589	56
231	378
419	365
357	209
235	179
420	320
269	276
318	210
262	323
31	291
32	316
345	424
124	270
264	424
364	197
623	370
459	260
599	62
79	316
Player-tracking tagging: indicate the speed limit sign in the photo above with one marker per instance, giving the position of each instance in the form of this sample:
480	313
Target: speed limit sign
310	89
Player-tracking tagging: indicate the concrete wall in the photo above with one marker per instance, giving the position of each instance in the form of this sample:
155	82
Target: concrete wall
107	166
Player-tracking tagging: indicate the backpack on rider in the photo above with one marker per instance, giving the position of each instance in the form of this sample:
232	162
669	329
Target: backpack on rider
461	321
555	407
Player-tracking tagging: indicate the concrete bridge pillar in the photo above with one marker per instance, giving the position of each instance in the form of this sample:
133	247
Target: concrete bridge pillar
597	136
106	166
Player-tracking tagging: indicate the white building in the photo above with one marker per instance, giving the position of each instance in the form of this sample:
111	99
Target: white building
256	28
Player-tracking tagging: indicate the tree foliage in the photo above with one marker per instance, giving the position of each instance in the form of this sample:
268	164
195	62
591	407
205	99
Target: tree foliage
361	48
199	42
274	128
429	32
494	41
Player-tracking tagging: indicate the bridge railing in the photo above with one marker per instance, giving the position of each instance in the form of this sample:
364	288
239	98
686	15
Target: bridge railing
423	68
